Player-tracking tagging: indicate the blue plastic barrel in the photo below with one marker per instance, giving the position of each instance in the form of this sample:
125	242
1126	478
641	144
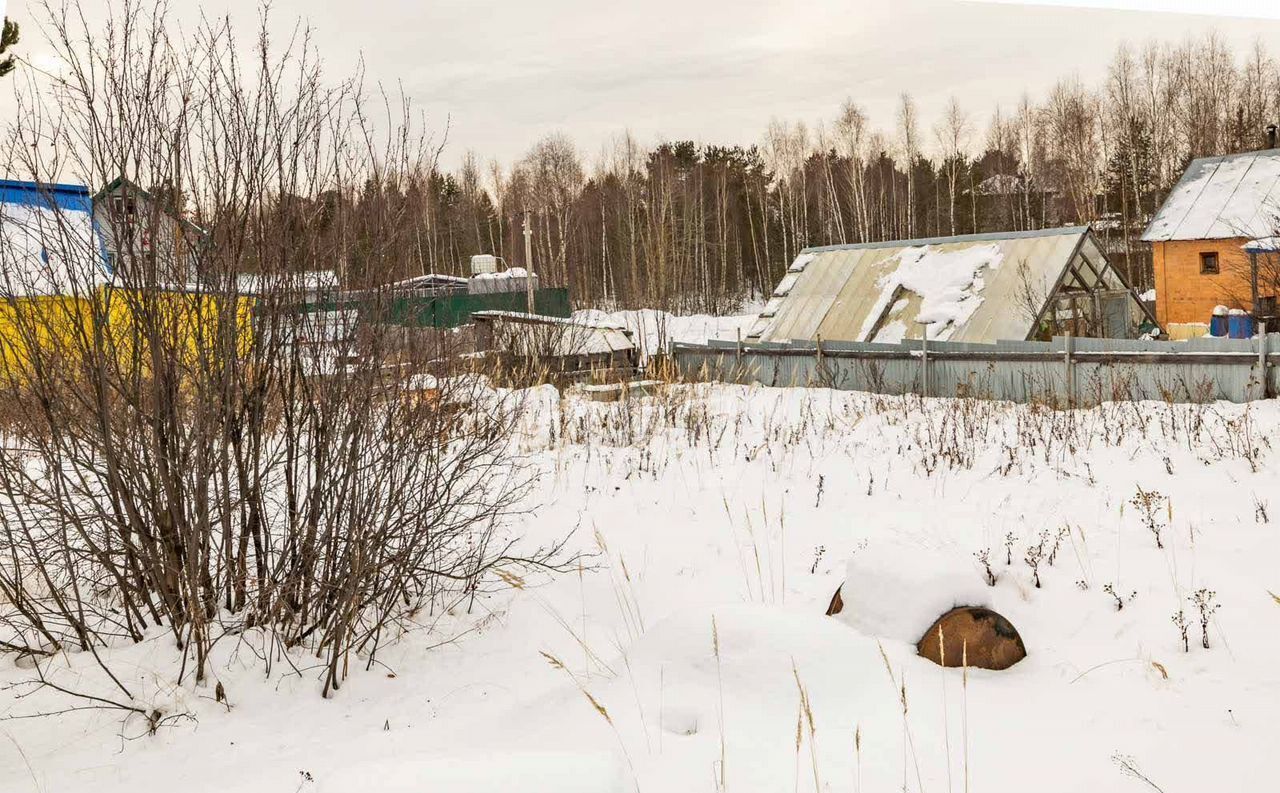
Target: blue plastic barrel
1240	326
1218	325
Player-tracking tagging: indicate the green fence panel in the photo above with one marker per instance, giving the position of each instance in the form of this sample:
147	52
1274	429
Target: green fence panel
446	311
450	311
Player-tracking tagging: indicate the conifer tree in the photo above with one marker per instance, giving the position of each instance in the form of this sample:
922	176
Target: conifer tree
8	37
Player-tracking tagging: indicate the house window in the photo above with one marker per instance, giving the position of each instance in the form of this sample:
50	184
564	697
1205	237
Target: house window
1209	263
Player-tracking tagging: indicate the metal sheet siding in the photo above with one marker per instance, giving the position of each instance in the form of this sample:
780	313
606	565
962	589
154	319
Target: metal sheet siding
998	374
807	303
1003	314
848	314
836	294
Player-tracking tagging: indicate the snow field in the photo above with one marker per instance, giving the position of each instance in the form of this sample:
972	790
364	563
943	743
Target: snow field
719	520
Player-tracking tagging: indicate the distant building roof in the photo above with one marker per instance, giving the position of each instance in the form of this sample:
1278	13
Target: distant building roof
566	336
1001	184
430	279
310	281
48	242
972	288
1237	195
122	183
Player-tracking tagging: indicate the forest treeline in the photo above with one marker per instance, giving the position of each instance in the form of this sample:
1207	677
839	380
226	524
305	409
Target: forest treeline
703	227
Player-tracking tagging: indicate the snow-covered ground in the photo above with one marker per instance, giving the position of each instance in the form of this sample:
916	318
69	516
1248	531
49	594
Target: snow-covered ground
722	519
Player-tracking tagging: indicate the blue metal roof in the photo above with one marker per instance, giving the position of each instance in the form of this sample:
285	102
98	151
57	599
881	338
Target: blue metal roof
71	197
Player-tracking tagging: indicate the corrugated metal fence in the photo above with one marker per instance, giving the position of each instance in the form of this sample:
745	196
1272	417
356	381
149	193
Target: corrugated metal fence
1064	371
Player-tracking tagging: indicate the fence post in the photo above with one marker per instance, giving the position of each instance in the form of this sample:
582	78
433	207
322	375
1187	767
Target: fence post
1262	357
1069	371
737	358
924	363
817	367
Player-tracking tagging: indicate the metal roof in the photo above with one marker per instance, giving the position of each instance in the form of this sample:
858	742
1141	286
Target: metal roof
561	337
876	291
49	244
1237	195
986	236
74	197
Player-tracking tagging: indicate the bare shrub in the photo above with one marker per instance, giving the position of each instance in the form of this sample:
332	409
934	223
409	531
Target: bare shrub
181	455
1061	534
1151	504
984	558
1034	555
1205	602
1120	599
1181	623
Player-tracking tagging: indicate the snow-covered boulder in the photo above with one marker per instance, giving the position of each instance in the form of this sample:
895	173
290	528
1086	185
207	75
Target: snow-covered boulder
896	591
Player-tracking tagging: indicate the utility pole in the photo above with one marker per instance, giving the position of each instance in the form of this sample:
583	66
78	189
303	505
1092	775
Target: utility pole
528	262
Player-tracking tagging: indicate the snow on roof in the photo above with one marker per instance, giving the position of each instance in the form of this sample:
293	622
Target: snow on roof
48	242
966	288
431	282
949	283
510	272
430	278
1263	245
543	319
1000	184
1237	195
565	336
308	281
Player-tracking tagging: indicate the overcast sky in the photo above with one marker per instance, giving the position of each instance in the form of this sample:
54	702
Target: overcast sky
507	71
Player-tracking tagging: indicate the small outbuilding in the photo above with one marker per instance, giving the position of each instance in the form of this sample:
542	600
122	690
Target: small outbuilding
559	345
1199	238
972	288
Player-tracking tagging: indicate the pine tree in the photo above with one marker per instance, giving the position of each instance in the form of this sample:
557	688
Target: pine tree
8	37
1131	168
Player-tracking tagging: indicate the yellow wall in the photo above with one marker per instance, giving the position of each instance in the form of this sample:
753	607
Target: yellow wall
63	326
1185	295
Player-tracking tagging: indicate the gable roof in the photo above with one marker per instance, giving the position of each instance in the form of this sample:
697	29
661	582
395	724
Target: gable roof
48	241
1237	195
971	288
125	184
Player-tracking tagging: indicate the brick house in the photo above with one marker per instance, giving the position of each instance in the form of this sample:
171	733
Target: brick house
1197	238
